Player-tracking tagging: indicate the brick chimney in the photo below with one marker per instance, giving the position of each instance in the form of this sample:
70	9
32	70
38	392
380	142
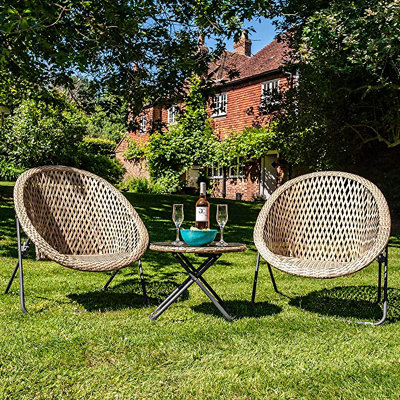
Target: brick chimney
201	47
243	46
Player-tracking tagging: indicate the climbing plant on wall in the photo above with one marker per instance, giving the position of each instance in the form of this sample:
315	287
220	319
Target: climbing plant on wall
191	142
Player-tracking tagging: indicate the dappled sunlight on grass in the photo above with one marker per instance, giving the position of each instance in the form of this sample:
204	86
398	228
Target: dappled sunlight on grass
81	342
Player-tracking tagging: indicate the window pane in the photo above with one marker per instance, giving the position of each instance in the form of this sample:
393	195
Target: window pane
219	103
143	124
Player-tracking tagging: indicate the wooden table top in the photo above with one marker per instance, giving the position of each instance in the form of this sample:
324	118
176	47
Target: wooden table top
212	248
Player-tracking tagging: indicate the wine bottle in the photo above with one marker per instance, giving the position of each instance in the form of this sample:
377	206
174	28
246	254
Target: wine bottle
202	209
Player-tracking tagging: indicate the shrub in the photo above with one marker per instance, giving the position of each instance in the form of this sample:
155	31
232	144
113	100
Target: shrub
39	133
136	150
108	168
141	185
136	185
98	146
9	171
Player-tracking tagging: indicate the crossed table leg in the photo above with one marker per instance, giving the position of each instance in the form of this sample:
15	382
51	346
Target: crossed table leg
194	276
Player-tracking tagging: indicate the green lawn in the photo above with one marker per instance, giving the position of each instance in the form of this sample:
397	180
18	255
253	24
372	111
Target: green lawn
80	343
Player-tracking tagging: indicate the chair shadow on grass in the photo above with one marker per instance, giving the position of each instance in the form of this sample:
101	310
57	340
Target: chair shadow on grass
357	302
127	294
238	309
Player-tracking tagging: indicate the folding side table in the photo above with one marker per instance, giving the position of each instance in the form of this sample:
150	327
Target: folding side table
212	253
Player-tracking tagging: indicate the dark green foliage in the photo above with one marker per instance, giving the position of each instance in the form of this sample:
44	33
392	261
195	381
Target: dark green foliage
187	143
8	170
348	55
102	165
107	113
97	155
97	146
138	185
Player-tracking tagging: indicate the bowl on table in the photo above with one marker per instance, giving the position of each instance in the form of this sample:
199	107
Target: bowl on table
198	237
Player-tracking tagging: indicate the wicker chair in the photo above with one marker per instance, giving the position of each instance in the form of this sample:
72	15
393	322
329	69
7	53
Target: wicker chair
78	220
324	225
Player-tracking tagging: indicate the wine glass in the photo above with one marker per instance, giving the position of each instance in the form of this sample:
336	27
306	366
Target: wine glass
222	219
177	217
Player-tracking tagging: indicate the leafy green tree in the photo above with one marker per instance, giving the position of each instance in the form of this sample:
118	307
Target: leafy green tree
39	133
142	50
347	54
188	143
107	113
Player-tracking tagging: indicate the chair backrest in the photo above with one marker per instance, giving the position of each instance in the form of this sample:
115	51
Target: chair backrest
325	216
76	212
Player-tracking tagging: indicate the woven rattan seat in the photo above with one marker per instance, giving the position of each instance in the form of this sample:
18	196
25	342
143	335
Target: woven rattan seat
323	225
78	219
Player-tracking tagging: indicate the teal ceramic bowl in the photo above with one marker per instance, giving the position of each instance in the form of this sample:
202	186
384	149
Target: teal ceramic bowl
198	238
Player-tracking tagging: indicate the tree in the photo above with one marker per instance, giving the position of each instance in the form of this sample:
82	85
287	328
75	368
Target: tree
107	113
348	56
142	50
187	143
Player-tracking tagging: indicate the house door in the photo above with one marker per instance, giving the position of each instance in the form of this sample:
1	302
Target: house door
267	176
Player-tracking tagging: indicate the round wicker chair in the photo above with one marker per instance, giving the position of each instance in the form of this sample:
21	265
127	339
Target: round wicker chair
324	225
78	220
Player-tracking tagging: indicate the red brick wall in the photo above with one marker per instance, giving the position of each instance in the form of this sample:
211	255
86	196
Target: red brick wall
138	169
249	187
134	168
240	99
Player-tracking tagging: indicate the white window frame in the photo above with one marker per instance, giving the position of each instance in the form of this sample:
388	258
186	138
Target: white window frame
232	172
220	105
143	124
238	170
172	113
215	172
269	86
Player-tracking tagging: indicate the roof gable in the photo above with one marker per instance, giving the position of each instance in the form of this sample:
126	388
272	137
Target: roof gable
232	67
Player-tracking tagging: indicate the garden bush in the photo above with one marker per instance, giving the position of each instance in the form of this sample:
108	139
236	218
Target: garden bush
136	185
98	146
140	185
108	168
39	133
8	170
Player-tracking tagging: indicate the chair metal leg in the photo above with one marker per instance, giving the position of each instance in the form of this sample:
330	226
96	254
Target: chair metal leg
24	250
21	272
385	258
105	287
272	279
11	279
253	295
379	278
145	299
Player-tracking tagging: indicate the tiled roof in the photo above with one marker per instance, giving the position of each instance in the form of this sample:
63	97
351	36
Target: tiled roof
232	67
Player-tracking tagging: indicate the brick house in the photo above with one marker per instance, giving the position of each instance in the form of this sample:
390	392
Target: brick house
241	80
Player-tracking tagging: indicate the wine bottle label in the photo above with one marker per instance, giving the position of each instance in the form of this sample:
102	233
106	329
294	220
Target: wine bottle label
202	213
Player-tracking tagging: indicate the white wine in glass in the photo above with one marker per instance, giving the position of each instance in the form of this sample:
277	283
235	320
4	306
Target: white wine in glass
177	217
222	219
